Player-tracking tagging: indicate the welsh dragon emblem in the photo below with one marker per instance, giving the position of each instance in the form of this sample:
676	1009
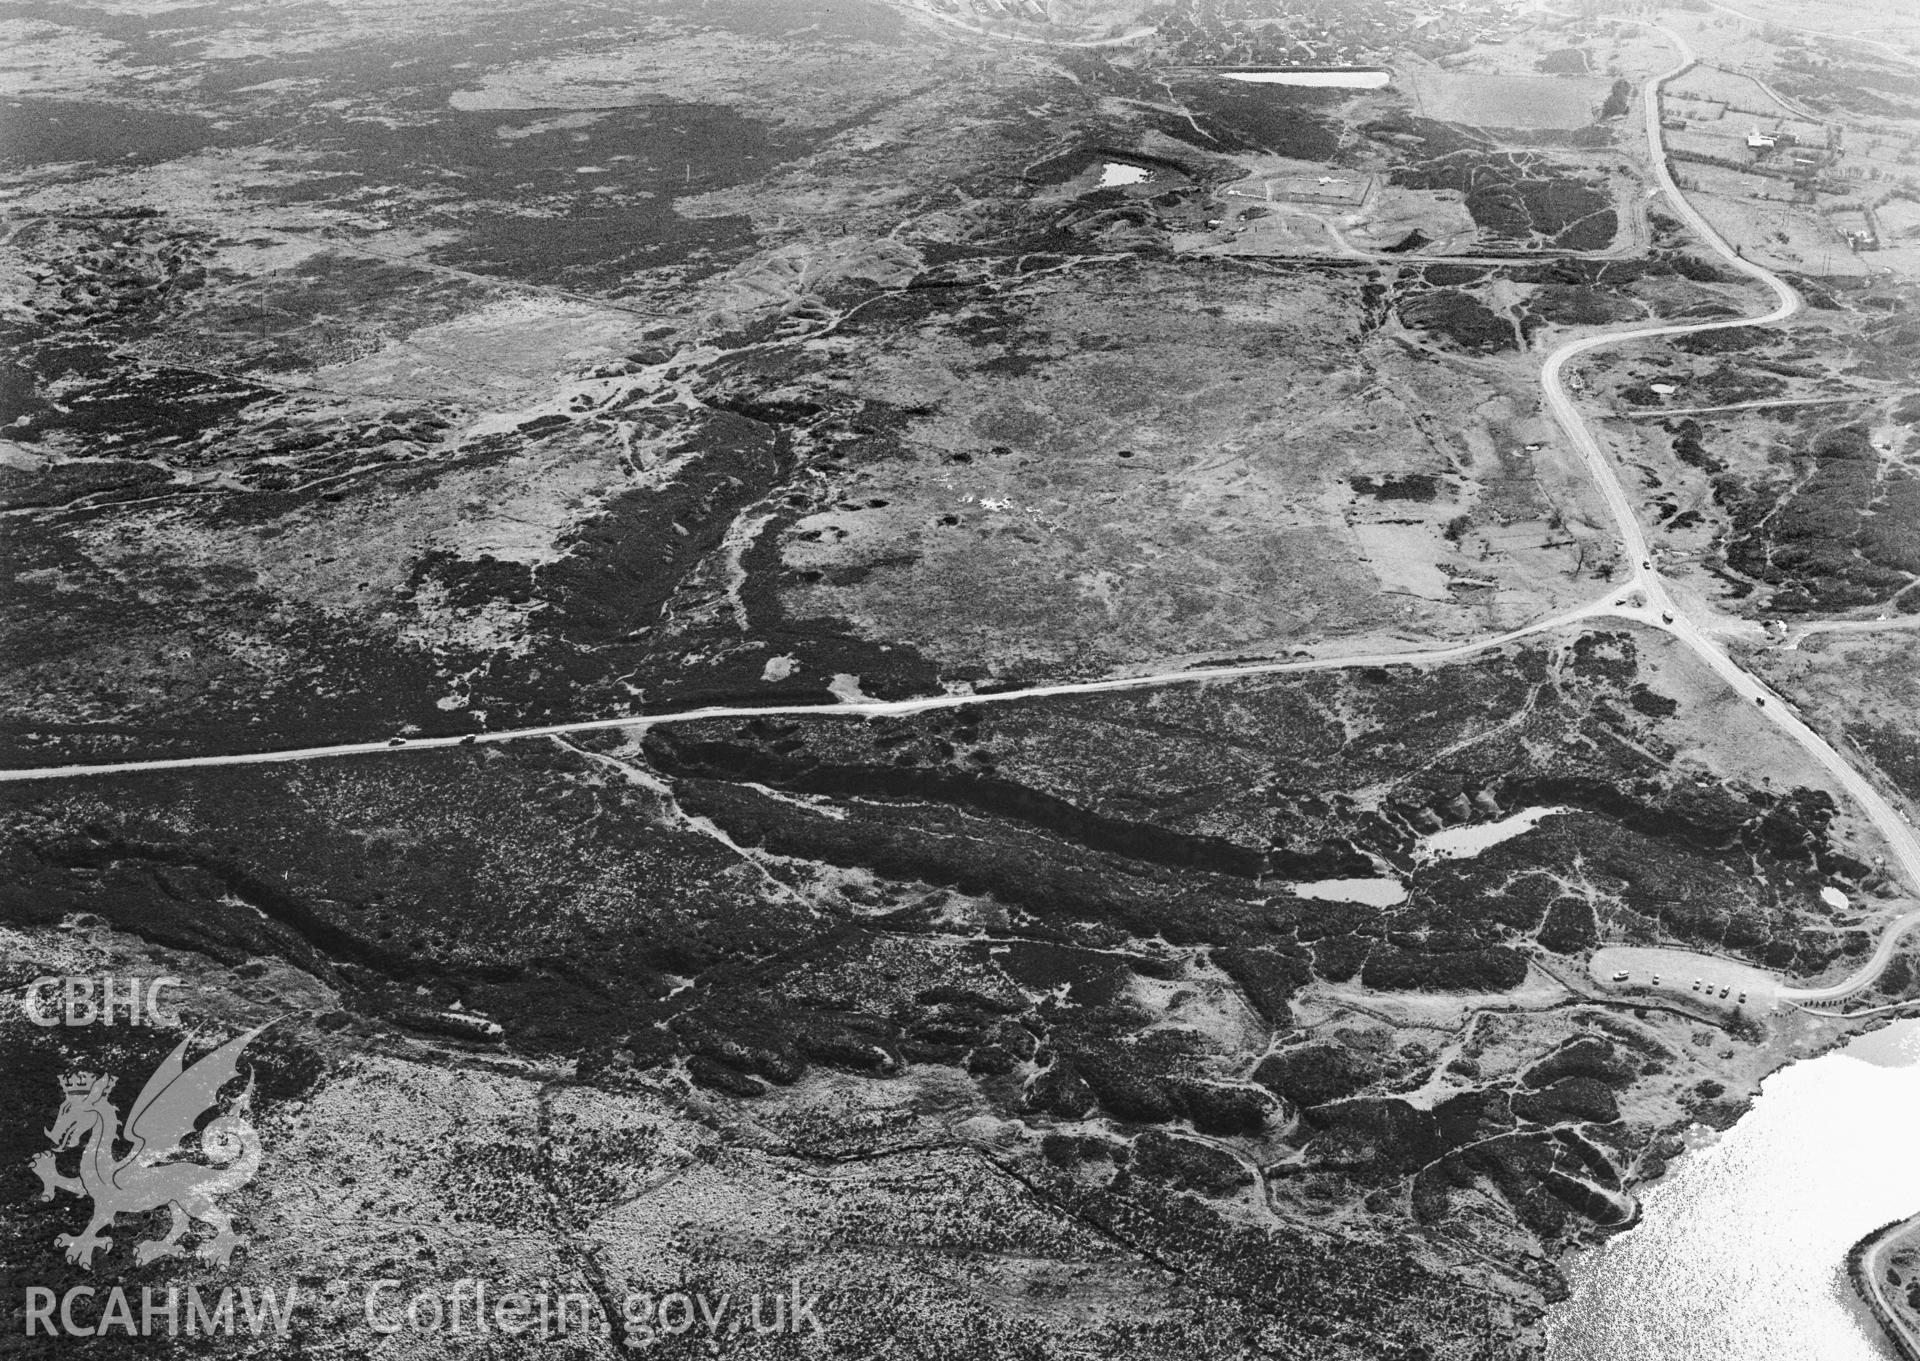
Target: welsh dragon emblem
160	1120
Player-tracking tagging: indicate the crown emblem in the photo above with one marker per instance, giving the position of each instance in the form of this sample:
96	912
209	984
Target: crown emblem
152	1175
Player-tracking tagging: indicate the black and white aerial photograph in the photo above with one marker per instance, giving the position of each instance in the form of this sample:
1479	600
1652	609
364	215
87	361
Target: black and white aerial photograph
960	680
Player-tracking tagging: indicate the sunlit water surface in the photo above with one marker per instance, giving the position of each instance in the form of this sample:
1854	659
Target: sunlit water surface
1356	79
1741	1252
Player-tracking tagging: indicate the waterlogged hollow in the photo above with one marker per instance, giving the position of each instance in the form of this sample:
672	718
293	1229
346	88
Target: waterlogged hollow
1740	1254
1463	843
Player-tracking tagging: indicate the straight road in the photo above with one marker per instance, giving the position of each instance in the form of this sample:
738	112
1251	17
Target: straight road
1661	413
1800	632
851	709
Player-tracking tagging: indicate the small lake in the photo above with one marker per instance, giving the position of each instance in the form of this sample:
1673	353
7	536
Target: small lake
1740	1253
1372	892
1452	843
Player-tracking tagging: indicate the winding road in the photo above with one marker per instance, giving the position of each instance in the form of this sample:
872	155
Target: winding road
1644	599
1660	609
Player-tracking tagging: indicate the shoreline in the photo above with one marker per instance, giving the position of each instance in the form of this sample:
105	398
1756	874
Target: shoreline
1904	1339
1785	1047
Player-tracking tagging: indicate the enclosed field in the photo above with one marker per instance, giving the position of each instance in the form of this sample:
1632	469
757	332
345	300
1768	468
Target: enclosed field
1501	101
1343	190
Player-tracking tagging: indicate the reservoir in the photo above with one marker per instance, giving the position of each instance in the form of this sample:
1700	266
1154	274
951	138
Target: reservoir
1318	78
1741	1251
